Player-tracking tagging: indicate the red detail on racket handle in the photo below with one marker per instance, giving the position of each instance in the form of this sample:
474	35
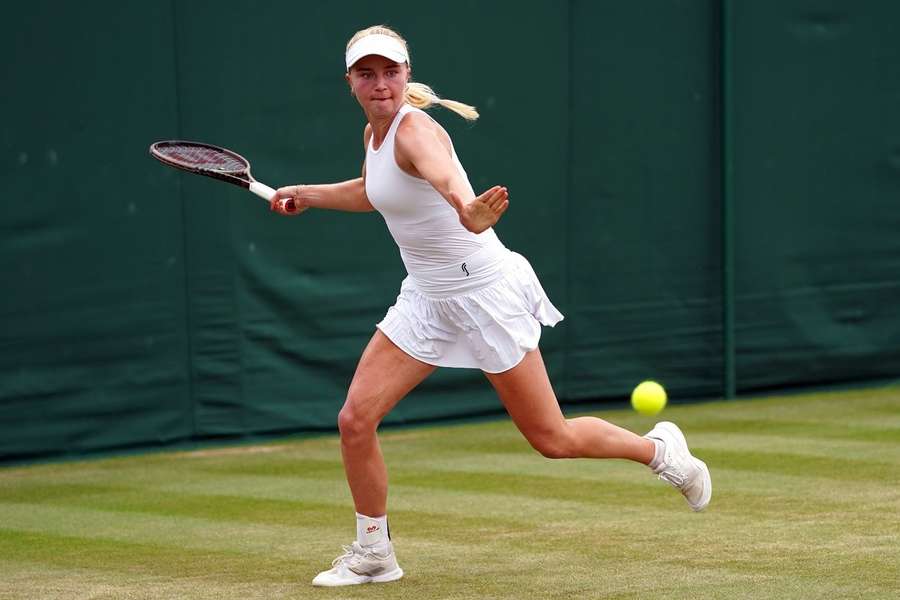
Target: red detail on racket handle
289	205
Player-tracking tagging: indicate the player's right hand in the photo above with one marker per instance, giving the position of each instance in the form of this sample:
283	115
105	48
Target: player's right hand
286	201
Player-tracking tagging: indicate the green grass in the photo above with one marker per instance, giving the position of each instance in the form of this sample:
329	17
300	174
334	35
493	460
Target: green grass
806	504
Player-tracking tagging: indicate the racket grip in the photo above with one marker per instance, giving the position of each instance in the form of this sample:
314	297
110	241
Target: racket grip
266	193
262	190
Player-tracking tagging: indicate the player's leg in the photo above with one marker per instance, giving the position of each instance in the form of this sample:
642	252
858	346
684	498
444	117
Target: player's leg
529	399
526	393
385	375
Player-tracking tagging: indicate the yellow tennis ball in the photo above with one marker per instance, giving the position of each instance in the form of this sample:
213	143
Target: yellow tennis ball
648	398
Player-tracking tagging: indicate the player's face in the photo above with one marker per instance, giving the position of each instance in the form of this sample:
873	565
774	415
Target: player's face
378	84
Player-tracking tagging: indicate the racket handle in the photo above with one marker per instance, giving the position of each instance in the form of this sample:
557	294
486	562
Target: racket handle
262	190
266	193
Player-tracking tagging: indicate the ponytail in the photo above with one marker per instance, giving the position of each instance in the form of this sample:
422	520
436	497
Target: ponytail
420	95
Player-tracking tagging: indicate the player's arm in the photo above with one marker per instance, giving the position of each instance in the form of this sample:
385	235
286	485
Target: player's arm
347	195
423	146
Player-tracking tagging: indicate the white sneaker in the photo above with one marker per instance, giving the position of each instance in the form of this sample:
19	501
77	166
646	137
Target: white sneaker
360	565
680	468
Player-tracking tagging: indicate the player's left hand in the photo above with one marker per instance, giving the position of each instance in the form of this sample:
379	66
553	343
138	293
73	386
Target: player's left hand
482	212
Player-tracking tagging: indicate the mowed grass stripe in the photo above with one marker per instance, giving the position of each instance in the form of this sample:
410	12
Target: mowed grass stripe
486	472
591	482
177	531
631	483
441	497
129	557
48	582
870	450
532	472
245	509
835	468
237	508
816	429
254	510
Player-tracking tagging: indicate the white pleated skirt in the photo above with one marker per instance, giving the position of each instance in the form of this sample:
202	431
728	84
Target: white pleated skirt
489	328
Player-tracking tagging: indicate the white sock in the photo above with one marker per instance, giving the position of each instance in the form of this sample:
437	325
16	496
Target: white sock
659	454
373	532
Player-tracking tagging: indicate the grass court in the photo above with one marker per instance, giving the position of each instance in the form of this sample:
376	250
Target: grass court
806	504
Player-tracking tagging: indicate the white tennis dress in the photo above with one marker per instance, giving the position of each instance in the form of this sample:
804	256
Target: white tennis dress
467	301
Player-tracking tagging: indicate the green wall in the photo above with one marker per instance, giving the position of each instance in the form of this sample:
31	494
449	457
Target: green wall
643	219
143	307
817	183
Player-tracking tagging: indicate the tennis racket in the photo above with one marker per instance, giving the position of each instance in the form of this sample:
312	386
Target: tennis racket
215	162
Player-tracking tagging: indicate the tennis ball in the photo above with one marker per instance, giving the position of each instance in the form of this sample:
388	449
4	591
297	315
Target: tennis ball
648	398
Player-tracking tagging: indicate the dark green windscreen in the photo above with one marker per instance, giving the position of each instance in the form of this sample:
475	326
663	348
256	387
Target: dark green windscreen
643	253
817	131
143	307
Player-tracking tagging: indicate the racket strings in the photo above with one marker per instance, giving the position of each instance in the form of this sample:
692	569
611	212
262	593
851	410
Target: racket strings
202	157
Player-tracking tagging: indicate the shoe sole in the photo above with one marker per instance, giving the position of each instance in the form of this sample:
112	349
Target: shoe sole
706	496
386	577
383	578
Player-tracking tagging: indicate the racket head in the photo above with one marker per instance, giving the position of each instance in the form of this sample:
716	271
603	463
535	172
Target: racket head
204	159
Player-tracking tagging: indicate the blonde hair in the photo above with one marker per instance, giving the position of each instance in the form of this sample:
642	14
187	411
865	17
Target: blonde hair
417	94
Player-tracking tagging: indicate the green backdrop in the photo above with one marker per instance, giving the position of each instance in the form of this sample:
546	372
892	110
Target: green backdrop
143	307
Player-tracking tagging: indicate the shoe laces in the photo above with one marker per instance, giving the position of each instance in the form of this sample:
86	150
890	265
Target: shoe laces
349	553
676	478
353	555
673	474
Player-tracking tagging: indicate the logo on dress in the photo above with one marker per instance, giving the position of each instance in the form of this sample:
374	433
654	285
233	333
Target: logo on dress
465	270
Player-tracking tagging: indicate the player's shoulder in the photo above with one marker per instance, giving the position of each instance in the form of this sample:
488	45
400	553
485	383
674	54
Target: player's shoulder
417	126
367	135
417	120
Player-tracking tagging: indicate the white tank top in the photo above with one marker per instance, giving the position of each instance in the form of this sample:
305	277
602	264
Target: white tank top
441	256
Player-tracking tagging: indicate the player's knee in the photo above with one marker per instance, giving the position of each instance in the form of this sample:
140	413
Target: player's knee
550	450
354	424
555	444
350	424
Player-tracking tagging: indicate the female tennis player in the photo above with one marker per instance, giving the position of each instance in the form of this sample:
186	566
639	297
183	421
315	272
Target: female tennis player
467	302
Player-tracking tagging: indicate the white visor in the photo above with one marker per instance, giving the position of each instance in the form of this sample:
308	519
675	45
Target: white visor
377	43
